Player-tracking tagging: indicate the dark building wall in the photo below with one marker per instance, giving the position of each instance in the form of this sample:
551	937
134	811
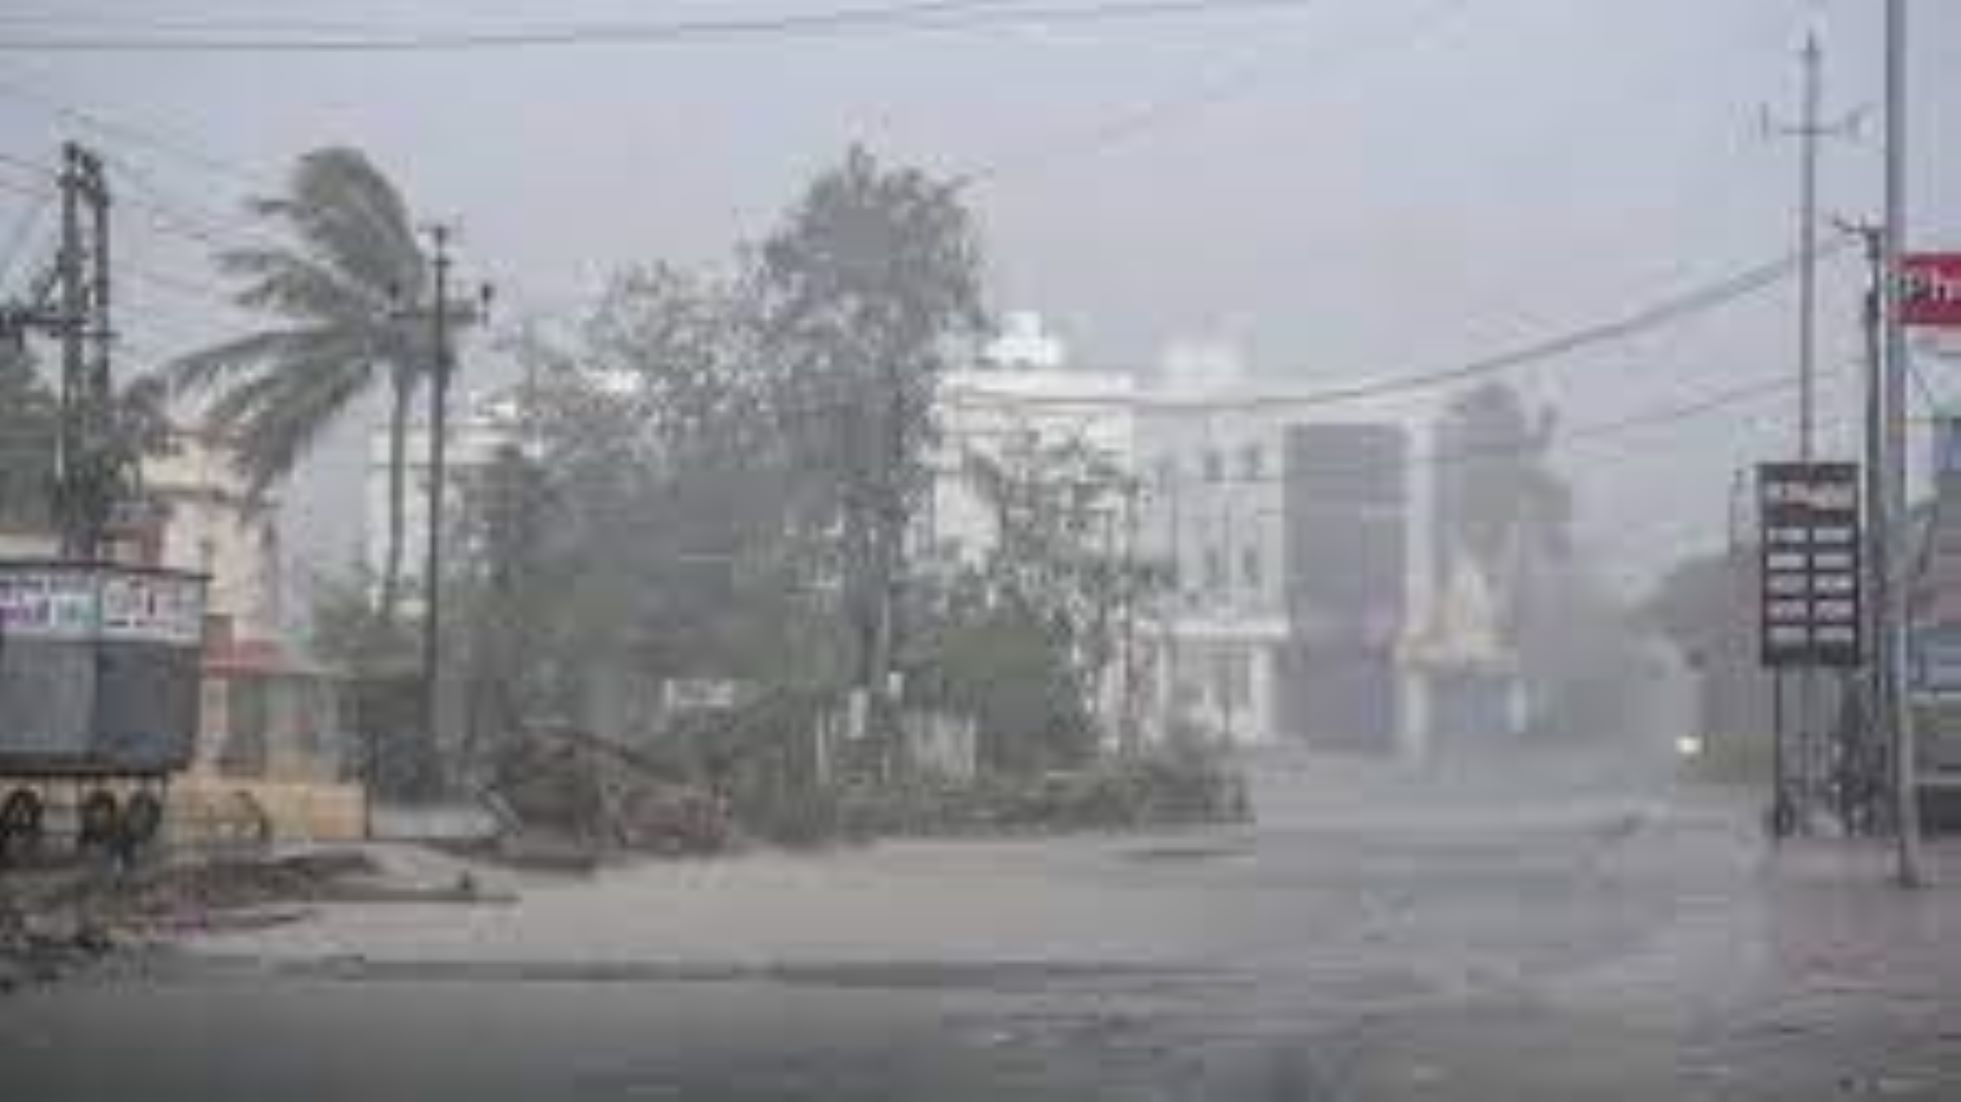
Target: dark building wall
1346	507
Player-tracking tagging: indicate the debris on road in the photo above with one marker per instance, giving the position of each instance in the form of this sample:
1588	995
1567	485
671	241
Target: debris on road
571	795
55	920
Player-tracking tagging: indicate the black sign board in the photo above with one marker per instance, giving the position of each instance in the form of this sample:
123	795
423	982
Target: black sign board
1812	598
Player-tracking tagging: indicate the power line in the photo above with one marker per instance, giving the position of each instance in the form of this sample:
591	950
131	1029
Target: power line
1129	125
928	16
163	213
1588	434
1666	312
146	135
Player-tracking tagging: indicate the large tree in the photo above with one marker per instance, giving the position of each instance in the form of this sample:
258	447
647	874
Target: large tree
867	292
336	296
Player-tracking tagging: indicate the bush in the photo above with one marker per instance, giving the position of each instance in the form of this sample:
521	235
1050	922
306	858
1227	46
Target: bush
1173	789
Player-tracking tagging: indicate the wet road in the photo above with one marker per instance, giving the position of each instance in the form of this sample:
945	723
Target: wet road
1560	930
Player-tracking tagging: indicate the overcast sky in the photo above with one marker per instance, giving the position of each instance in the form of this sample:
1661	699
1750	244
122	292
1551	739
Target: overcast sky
1348	189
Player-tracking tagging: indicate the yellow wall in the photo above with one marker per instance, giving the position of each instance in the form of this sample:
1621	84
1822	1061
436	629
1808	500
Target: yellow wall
209	807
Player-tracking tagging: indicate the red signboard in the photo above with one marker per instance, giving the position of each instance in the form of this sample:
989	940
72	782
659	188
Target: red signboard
1930	292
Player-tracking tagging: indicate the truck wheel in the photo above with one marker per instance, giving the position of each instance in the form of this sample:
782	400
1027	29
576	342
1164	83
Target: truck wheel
20	823
100	823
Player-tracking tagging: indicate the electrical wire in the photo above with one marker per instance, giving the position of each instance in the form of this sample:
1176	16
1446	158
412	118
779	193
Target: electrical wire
146	134
1132	124
918	16
17	241
1678	307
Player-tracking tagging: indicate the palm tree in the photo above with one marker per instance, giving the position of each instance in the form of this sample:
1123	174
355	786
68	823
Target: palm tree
335	298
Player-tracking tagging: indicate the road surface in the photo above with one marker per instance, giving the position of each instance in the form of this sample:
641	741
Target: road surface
1554	930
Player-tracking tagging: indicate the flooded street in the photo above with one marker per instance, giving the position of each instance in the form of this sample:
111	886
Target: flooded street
1597	939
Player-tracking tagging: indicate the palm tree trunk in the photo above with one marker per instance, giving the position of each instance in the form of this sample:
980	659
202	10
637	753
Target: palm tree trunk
398	431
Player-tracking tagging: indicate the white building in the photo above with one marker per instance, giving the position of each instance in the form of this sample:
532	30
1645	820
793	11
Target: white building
1024	386
474	437
1297	532
1212	512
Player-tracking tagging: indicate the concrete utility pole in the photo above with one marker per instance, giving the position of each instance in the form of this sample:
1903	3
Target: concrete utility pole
70	302
1893	516
72	314
82	322
443	315
888	534
1873	625
1128	737
438	437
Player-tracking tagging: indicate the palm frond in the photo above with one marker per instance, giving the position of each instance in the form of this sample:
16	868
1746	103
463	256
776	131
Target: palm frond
200	370
288	283
353	219
276	417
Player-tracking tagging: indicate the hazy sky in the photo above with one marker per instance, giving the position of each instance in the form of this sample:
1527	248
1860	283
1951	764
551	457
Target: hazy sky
1349	189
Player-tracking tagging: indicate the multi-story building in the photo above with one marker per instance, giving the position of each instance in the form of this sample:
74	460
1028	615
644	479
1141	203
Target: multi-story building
1023	386
473	437
1293	530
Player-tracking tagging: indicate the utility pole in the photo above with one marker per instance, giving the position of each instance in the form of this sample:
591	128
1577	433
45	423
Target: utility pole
1173	667
1787	812
1127	732
887	530
69	452
438	441
443	314
70	302
81	320
1894	513
1878	538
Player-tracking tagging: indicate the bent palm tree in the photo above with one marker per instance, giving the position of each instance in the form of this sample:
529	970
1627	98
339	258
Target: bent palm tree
335	296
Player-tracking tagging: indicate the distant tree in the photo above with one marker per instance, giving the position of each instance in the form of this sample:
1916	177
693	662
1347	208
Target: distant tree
1500	496
28	426
1584	657
335	298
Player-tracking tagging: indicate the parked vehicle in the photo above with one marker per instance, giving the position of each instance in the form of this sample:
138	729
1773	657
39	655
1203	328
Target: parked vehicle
99	685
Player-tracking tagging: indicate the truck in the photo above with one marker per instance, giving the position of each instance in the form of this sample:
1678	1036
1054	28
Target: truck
99	699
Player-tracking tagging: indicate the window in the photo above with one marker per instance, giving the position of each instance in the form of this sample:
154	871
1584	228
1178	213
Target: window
1252	463
1232	678
1215	466
1249	567
1167	471
1215	569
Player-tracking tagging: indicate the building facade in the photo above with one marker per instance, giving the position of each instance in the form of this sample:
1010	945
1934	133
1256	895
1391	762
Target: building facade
473	438
1023	389
1292	529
